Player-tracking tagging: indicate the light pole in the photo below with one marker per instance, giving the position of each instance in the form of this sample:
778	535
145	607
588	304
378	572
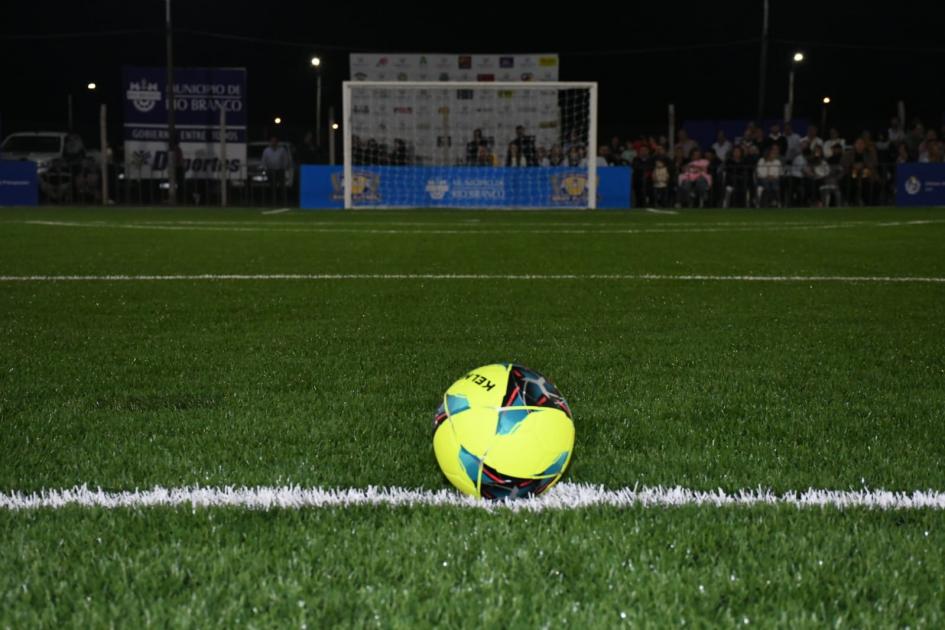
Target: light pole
317	64
789	108
823	116
171	129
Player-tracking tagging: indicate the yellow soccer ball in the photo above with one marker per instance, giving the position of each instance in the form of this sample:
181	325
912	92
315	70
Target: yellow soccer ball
503	431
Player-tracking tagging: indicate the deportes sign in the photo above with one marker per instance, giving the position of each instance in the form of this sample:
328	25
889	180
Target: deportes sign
199	96
920	184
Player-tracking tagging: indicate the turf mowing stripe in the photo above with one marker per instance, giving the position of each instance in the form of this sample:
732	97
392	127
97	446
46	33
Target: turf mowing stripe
461	276
565	496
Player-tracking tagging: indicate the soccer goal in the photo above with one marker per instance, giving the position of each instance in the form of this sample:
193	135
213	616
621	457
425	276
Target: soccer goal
470	144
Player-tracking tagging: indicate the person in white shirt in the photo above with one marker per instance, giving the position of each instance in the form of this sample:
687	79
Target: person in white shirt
768	175
811	140
276	161
834	140
514	157
793	142
896	133
721	146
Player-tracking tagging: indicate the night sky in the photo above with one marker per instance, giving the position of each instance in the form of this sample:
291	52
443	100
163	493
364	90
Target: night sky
704	56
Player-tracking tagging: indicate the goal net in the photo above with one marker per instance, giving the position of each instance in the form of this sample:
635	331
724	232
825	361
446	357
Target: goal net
470	144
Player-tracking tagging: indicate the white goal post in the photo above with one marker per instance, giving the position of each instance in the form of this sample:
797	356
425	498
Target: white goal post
475	144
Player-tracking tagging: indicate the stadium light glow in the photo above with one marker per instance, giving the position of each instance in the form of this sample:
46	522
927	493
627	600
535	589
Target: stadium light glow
316	61
798	57
334	126
826	100
277	120
91	86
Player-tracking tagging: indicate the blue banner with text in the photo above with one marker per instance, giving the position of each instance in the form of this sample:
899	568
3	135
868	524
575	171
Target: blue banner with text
469	187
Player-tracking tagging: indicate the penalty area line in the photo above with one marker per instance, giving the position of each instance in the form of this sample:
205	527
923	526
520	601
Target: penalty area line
564	496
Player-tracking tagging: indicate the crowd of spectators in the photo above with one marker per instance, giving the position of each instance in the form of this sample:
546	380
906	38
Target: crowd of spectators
773	167
760	167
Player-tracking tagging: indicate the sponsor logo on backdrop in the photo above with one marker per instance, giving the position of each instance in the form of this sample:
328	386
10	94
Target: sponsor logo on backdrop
143	94
403	110
382	62
437	189
548	61
527	76
401	76
569	188
485	62
444	76
464	62
506	62
360	76
913	185
364	186
485	77
423	60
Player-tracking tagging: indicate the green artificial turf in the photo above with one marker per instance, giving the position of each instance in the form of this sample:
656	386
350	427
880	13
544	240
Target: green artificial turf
705	384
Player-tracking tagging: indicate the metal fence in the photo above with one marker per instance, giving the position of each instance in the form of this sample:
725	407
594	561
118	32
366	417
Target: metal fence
740	187
62	183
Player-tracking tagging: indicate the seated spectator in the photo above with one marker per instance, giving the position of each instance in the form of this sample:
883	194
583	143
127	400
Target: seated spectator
721	146
768	173
931	138
628	153
615	148
819	173
555	156
896	133
834	140
859	166
661	177
574	156
694	180
514	156
811	140
485	156
715	171
542	157
737	173
774	139
684	143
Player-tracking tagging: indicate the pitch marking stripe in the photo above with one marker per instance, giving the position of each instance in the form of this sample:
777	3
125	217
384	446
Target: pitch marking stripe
312	229
565	496
461	276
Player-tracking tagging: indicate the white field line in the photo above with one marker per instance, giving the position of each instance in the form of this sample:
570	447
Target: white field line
470	276
522	229
658	211
565	496
277	211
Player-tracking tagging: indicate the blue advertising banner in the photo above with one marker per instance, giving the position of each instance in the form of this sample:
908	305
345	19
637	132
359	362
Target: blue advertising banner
920	184
199	95
18	184
322	187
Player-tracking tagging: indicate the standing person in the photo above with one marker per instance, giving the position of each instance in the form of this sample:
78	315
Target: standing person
275	161
768	175
73	152
308	152
721	146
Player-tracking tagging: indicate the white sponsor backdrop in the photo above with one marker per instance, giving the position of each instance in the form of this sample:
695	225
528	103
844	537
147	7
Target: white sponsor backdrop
437	123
